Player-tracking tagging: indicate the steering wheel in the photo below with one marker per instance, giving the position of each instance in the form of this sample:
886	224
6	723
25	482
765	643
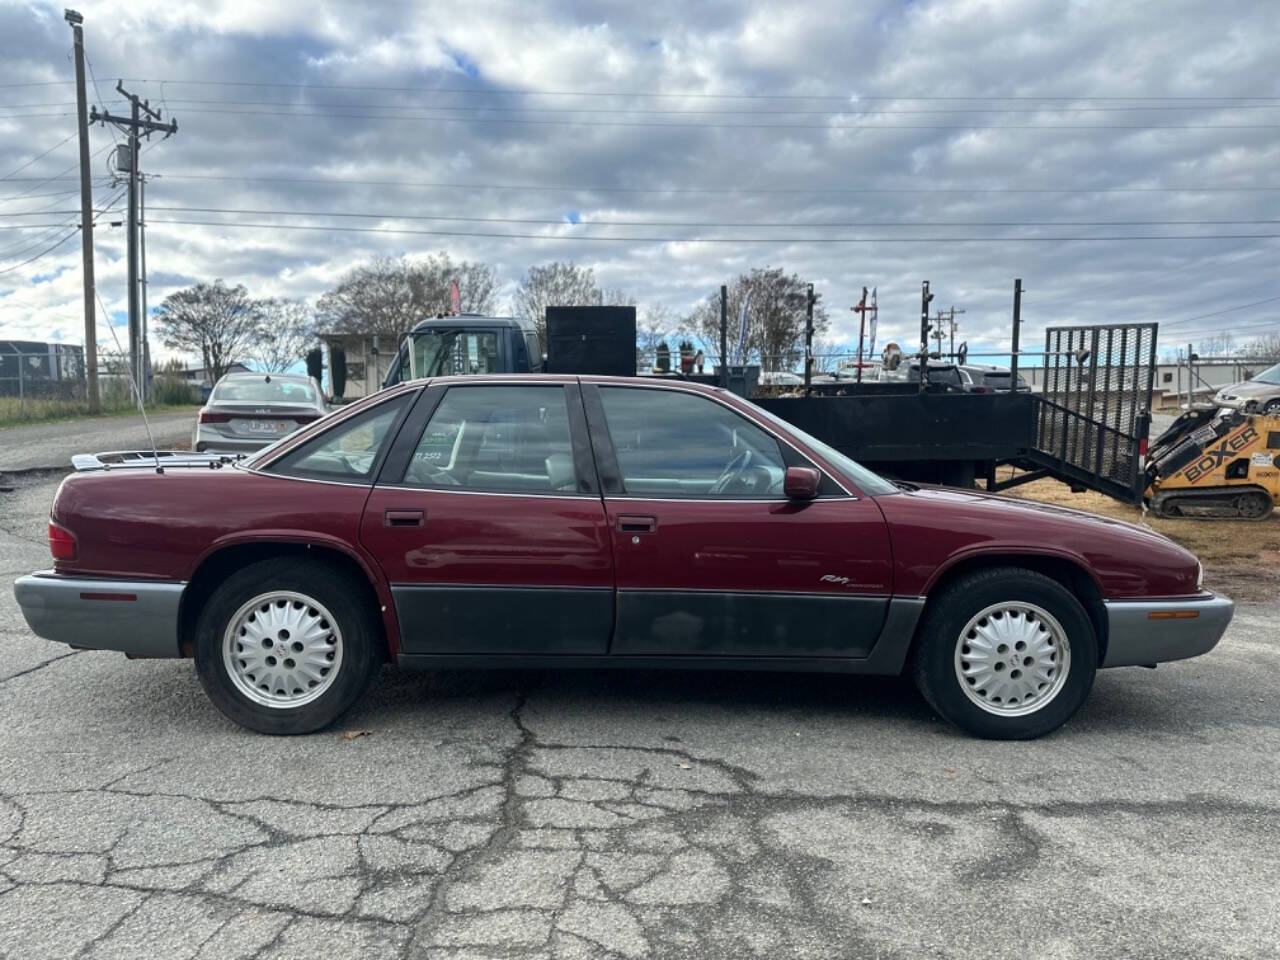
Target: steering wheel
732	471
428	474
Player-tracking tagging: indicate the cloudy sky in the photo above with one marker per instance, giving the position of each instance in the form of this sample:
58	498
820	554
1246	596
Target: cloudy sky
671	145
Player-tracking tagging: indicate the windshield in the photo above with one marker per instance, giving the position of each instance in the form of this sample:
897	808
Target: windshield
867	481
442	353
948	375
264	390
1269	375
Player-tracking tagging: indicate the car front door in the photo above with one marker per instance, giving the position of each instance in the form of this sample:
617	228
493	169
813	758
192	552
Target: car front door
711	557
488	523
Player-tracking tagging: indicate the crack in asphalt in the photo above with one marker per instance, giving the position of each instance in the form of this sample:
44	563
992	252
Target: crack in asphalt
40	666
654	873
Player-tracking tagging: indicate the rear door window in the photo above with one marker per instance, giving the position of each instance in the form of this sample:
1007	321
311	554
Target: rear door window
500	439
350	450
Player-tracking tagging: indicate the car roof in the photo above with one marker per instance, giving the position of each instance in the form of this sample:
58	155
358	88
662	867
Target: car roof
467	379
471	320
300	377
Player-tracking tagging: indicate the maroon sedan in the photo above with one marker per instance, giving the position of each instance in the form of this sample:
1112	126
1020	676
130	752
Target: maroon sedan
598	522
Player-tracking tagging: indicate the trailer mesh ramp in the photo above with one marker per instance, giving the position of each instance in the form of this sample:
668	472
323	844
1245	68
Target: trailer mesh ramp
1094	411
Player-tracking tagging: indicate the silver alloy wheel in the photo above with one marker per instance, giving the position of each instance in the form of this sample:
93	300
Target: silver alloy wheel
282	649
1012	658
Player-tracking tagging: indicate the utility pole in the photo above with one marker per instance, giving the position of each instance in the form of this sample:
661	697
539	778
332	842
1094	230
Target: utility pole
724	336
1017	334
135	126
808	342
939	316
142	251
861	310
952	318
86	220
925	299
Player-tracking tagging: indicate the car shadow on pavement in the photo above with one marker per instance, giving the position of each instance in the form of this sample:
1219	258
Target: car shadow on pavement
1129	701
764	692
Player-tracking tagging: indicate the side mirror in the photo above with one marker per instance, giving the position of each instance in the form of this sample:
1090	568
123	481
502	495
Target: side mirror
801	483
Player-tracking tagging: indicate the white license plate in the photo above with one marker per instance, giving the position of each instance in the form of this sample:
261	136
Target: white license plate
271	427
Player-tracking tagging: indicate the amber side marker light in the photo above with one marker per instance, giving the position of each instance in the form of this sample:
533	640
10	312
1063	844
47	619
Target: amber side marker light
1173	614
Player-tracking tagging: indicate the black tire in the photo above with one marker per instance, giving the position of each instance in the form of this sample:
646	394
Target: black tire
1272	408
948	614
357	625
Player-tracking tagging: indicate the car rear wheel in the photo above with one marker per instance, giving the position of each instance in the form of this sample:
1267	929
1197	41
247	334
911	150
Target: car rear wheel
286	647
1272	408
1006	654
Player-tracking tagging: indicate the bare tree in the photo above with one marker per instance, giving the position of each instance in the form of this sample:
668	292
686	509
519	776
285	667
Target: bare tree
391	295
656	324
217	322
560	284
775	317
285	330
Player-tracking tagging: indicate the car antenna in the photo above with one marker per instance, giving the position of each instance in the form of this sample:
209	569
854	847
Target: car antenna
133	382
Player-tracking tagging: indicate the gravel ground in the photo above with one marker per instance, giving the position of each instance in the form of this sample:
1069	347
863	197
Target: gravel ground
629	815
45	445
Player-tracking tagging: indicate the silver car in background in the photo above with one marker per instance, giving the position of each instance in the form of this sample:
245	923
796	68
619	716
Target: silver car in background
1259	394
247	411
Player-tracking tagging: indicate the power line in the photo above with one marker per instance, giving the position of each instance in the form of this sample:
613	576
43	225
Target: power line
60	175
42	253
36	196
717	190
726	191
689	223
515	121
633	239
38	156
846	97
29	243
852	109
1218	313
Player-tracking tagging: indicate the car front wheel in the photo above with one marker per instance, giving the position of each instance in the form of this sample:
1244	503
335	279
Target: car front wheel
285	646
1006	654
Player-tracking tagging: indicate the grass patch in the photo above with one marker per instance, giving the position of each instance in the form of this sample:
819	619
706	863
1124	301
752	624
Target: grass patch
117	399
51	411
1241	557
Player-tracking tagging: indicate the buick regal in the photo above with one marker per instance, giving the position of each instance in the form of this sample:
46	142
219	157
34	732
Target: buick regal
558	522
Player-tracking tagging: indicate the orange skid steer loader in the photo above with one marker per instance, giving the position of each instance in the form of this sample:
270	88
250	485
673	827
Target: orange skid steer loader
1212	463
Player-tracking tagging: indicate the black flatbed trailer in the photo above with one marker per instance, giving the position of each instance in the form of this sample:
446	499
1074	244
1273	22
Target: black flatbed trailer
929	437
1087	427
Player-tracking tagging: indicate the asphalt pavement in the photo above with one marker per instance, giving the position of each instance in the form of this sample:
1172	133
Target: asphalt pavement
603	815
51	445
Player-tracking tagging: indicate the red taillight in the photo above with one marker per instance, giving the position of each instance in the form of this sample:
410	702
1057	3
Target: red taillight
209	417
1142	447
62	543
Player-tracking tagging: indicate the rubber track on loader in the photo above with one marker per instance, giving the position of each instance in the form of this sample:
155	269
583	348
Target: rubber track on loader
1213	503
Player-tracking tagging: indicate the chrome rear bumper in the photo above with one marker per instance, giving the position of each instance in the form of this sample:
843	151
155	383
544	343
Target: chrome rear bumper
136	617
1147	632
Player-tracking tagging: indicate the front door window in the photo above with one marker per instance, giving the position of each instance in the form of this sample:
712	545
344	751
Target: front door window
674	444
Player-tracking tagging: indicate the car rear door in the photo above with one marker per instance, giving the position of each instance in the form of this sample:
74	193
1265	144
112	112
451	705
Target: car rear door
488	523
734	571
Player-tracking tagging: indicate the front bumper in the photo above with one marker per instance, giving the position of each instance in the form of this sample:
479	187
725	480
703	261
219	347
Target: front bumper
1147	632
136	617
